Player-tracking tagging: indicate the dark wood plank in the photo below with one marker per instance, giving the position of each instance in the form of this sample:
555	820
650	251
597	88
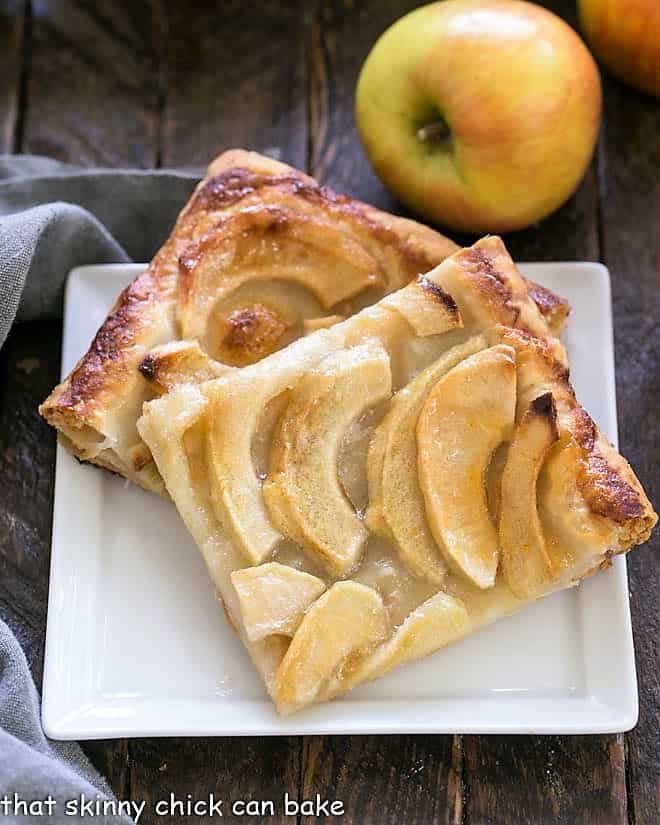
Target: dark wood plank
12	34
552	780
261	769
110	756
93	85
343	33
386	780
236	77
29	367
630	210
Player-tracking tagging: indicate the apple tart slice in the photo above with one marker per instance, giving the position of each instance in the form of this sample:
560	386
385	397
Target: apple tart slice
383	487
259	256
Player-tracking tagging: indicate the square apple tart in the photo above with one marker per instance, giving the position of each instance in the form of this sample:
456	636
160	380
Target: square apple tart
383	487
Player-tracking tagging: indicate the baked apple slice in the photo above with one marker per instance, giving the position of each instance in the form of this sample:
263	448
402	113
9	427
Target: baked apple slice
273	598
441	619
341	627
426	317
271	243
179	362
466	416
302	491
572	528
526	565
236	407
396	506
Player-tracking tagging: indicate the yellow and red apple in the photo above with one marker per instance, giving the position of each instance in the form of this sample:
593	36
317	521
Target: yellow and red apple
481	115
625	35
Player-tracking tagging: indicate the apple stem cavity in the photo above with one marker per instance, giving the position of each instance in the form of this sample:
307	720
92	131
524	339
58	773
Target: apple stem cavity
435	133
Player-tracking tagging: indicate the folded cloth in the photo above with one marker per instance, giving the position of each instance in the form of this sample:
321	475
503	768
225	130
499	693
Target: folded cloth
32	767
54	216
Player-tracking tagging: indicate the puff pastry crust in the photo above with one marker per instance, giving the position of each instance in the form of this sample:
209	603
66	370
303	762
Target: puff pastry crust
259	252
259	256
383	487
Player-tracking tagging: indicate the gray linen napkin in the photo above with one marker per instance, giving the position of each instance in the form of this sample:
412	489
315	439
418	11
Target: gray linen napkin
54	216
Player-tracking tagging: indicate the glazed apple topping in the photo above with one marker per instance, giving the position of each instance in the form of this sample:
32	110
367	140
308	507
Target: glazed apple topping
302	490
273	598
396	508
466	416
388	483
525	561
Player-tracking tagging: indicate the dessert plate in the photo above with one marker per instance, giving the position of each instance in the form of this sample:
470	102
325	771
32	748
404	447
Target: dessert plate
138	645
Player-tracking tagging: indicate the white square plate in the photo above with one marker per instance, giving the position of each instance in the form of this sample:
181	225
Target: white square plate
137	643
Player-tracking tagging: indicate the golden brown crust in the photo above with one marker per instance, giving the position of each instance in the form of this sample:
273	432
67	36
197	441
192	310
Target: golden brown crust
553	307
606	480
505	292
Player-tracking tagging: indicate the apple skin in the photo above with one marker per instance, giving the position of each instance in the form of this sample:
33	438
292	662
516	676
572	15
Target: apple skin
625	35
521	96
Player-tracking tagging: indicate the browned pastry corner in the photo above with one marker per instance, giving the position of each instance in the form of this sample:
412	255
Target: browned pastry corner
260	255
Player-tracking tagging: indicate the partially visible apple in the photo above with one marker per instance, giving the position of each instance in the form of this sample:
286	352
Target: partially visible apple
481	115
625	35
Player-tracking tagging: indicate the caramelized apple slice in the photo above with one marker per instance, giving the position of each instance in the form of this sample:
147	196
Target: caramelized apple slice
237	404
525	561
435	623
426	317
256	319
273	598
466	416
179	362
575	533
302	492
396	505
271	243
344	625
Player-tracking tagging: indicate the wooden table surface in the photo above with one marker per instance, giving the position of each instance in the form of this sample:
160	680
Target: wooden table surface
154	83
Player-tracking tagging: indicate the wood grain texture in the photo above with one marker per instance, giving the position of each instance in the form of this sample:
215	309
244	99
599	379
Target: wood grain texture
12	37
343	32
236	77
110	757
386	780
630	214
231	769
551	780
29	367
93	85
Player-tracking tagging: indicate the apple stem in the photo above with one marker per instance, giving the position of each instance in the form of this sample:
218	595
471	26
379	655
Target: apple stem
436	132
